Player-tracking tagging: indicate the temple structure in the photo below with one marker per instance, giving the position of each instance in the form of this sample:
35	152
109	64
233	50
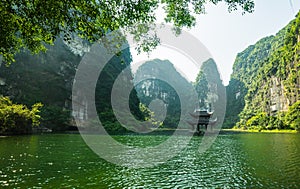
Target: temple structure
202	118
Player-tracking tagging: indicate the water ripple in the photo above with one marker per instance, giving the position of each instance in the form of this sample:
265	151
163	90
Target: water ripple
233	161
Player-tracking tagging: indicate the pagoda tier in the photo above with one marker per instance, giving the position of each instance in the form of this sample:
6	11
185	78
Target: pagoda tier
209	122
201	113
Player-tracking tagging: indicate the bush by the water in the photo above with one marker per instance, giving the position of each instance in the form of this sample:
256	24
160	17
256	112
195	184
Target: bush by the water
17	118
55	118
282	120
292	117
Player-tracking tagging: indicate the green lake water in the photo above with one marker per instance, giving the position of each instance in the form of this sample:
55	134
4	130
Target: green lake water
248	160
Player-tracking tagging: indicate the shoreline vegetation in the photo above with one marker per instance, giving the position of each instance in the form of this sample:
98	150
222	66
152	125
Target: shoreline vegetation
222	131
170	131
260	131
234	130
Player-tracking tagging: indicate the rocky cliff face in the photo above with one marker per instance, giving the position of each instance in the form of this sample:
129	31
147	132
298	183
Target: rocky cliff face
48	78
265	80
216	95
163	82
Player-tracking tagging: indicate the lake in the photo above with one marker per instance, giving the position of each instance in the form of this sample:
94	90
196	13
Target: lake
257	160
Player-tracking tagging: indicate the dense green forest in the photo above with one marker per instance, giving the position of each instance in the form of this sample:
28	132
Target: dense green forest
264	90
47	78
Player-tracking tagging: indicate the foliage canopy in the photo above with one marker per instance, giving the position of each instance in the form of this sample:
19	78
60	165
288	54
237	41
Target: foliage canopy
32	24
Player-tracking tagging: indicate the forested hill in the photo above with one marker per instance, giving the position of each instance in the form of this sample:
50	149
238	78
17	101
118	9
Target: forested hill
159	79
48	78
263	92
156	80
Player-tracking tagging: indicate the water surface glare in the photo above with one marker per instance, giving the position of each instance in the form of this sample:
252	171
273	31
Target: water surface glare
234	161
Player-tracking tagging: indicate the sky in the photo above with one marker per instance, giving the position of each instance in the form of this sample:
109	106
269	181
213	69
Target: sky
226	34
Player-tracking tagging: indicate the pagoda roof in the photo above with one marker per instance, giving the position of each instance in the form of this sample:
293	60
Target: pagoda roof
201	113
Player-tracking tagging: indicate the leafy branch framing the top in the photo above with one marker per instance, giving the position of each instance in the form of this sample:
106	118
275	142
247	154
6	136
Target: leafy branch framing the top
30	24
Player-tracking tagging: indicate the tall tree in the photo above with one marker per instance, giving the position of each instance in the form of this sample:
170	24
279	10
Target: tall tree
32	24
201	86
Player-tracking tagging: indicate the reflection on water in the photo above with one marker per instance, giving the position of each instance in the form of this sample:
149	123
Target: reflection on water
275	158
234	161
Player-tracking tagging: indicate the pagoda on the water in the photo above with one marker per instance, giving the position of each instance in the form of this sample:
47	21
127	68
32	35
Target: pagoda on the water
202	118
